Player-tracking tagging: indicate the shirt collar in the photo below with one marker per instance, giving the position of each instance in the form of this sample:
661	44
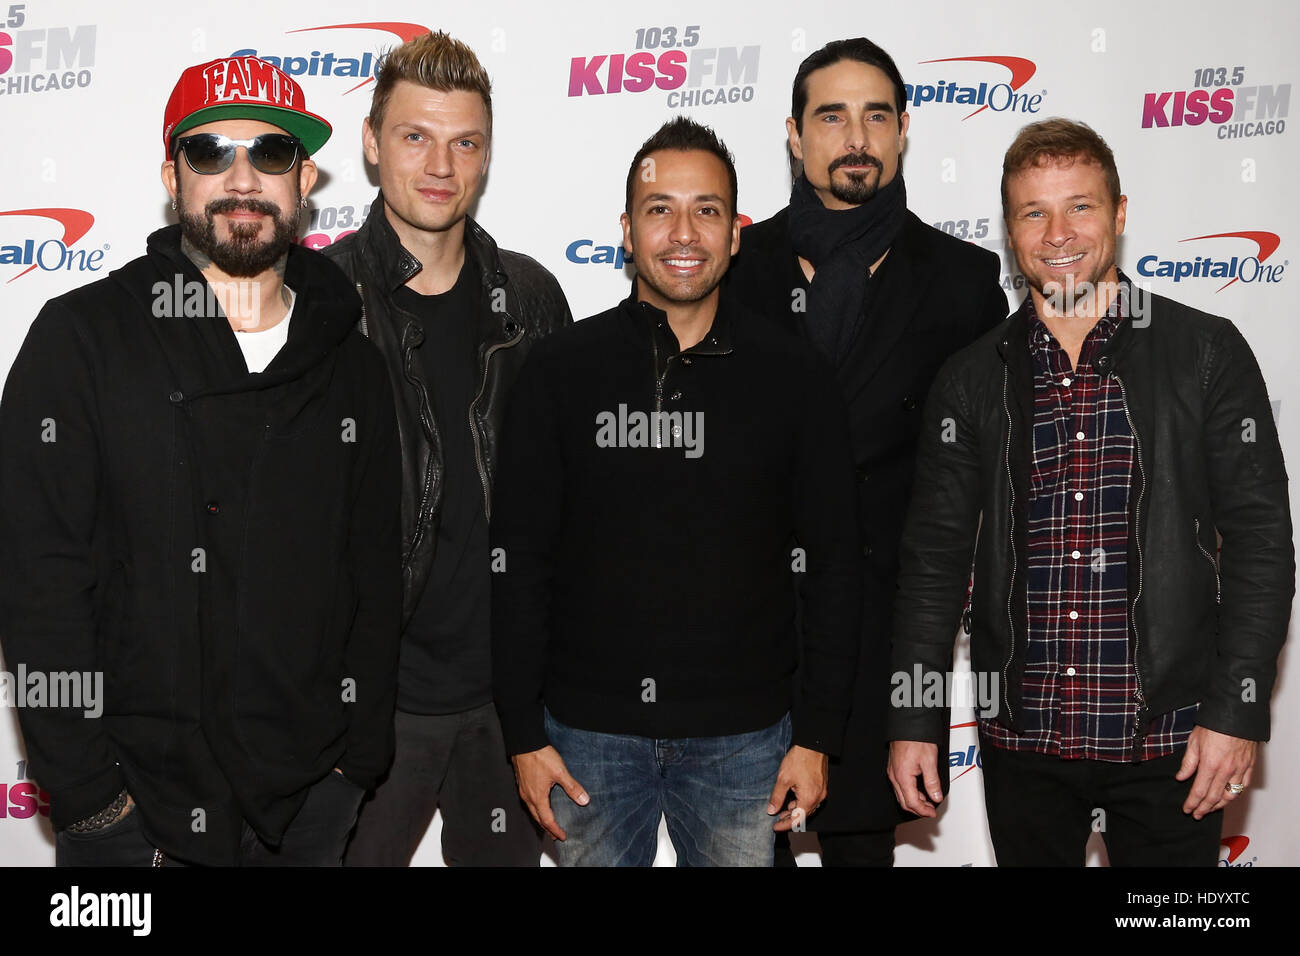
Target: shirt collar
1040	338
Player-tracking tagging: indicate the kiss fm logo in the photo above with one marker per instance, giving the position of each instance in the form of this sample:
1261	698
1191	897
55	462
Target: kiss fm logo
693	75
52	254
1004	97
330	63
1255	268
1220	97
45	59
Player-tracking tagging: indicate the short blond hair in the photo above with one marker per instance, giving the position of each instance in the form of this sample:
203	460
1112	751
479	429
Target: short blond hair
436	61
1059	140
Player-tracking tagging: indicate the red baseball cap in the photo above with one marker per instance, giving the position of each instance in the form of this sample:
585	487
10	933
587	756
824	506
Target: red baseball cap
242	87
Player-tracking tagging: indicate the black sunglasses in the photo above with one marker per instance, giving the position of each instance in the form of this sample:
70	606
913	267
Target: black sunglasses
210	153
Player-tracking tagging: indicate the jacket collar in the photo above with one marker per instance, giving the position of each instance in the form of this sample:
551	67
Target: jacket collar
1136	304
654	321
393	264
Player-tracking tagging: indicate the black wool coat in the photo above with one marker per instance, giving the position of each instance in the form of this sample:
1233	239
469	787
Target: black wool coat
932	296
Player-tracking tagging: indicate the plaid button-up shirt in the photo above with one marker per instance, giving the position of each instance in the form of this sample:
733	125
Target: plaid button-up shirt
1080	685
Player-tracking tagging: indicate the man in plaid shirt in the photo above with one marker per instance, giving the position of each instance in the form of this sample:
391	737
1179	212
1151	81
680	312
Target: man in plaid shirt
1102	436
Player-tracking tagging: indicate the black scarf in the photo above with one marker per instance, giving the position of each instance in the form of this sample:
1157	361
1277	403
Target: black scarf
842	244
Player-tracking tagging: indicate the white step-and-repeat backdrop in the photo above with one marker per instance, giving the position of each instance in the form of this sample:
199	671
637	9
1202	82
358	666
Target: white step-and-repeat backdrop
1193	97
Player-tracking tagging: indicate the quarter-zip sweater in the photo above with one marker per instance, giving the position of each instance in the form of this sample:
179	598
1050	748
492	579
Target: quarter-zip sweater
647	575
221	546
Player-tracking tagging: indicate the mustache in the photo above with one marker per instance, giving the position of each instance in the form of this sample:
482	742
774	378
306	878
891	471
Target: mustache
854	159
230	204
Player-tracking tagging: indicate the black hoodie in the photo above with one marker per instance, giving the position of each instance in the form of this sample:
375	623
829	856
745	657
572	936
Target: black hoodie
222	545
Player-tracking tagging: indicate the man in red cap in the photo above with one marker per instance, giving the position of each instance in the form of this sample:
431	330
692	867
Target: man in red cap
200	487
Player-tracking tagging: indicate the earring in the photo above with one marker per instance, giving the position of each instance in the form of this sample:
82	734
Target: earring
302	201
173	204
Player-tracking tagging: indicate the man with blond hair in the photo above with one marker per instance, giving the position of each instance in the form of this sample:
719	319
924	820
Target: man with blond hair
454	316
1099	442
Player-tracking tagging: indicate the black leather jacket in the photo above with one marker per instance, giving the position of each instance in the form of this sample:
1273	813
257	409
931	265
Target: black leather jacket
521	303
1208	458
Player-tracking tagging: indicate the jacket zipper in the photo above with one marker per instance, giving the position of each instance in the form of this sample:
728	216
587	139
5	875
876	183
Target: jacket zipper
1140	731
1011	526
473	426
364	330
659	389
426	422
1218	586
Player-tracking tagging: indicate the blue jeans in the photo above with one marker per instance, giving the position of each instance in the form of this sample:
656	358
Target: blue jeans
713	791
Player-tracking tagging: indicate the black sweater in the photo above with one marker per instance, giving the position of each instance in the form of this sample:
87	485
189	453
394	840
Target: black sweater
649	590
222	546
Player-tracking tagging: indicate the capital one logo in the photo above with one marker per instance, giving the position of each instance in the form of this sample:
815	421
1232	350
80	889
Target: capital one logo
1004	97
1256	268
52	254
1236	846
331	63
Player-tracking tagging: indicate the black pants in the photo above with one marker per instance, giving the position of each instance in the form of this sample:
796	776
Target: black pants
864	848
316	837
1042	811
457	762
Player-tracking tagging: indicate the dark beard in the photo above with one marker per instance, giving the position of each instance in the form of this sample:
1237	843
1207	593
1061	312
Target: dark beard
857	190
243	255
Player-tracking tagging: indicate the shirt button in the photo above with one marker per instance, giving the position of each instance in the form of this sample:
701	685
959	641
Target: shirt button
1066	381
1075	555
1078	496
1074	615
1079	435
1069	672
686	360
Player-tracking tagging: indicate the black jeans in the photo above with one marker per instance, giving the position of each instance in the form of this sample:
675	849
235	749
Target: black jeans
1042	811
456	762
316	837
860	848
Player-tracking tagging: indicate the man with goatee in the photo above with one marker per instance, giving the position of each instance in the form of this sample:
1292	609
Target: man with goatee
199	477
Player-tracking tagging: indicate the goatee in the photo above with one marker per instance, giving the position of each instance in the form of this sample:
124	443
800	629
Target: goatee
243	255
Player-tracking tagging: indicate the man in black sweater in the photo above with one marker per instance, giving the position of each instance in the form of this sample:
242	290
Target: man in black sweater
665	465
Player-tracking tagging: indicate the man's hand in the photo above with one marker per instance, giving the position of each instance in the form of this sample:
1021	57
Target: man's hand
909	759
1217	760
538	771
803	771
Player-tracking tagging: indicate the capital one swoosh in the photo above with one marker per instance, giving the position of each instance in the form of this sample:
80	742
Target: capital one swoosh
403	31
1266	241
75	222
1235	845
1021	70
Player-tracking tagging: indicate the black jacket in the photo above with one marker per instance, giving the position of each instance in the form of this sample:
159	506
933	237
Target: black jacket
1207	458
222	546
521	303
933	295
629	562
